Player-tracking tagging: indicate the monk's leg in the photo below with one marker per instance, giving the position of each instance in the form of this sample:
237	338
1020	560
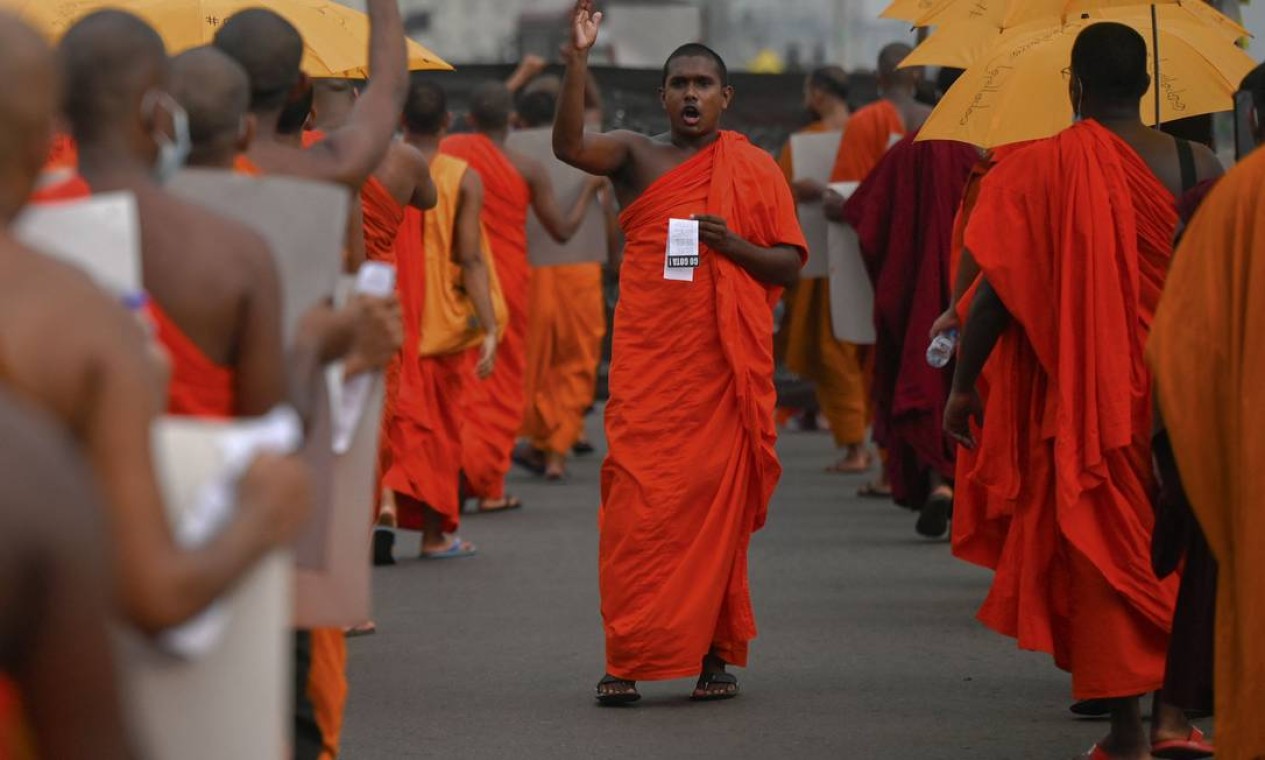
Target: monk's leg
555	466
933	520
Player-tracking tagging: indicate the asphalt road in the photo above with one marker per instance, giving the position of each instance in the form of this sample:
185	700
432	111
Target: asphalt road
868	645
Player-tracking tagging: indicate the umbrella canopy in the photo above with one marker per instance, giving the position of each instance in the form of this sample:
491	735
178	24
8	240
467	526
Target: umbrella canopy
336	38
962	37
1019	91
909	10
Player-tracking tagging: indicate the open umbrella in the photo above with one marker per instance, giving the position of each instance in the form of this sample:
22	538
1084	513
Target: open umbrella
908	10
1018	90
336	38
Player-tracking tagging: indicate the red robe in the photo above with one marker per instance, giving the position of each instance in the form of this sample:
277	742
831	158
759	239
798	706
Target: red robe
903	214
1063	462
199	387
493	412
692	464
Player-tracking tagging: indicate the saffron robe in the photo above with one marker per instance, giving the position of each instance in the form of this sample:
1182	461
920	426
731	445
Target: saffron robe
1207	351
692	463
424	428
493	409
903	214
1074	233
840	370
199	387
565	330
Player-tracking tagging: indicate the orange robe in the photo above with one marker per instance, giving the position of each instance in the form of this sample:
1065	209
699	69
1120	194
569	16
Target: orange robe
692	463
1064	455
424	428
493	412
199	387
565	330
839	369
1208	350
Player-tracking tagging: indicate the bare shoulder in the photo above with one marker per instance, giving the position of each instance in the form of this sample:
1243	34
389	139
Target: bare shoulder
1207	165
405	154
206	231
471	184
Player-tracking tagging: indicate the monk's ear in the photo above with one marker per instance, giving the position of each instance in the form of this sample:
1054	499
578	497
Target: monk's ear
246	134
728	94
301	86
663	98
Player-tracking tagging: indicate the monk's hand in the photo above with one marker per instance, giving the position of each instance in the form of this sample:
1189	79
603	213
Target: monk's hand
276	492
584	24
832	205
962	407
487	356
946	322
714	233
379	333
809	190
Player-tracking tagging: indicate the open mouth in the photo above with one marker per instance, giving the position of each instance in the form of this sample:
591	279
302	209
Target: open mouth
691	115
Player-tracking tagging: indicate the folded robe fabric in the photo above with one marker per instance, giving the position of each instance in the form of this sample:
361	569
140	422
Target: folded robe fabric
494	407
1208	352
690	423
1074	233
903	214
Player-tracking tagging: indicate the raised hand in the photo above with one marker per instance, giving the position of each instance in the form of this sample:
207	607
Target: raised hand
584	24
487	357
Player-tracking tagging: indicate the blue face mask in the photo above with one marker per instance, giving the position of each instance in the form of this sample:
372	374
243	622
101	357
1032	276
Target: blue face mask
172	152
1078	117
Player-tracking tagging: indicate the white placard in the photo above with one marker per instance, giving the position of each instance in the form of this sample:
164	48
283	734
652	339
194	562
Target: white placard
589	242
813	157
100	235
851	294
233	701
681	257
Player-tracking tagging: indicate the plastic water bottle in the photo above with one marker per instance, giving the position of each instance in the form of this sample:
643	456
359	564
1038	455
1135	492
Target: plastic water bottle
941	349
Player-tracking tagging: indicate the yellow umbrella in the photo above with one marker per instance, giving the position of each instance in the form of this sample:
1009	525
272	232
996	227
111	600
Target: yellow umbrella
908	10
1018	91
968	29
336	37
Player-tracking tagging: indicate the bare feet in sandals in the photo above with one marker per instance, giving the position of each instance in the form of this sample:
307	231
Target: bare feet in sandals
504	504
555	467
856	460
613	691
714	684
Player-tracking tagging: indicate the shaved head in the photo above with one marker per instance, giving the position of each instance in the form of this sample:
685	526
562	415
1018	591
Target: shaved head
110	60
270	49
490	106
426	111
890	75
215	91
27	108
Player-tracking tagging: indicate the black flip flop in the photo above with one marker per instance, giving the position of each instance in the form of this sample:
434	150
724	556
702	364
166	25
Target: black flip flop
583	447
383	547
617	699
715	679
1091	708
933	521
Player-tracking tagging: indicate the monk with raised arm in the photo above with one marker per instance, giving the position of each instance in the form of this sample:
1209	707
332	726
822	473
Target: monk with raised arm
1064	452
513	183
692	463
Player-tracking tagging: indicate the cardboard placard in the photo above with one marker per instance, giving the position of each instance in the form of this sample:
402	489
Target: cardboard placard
851	294
336	593
100	235
304	222
813	157
589	243
235	700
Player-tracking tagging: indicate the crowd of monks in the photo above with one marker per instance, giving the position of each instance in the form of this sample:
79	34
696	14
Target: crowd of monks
1093	443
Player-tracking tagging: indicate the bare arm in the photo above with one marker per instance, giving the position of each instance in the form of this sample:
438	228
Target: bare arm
778	265
260	372
468	247
595	153
354	246
425	195
351	154
968	271
543	201
614	236
528	69
987	320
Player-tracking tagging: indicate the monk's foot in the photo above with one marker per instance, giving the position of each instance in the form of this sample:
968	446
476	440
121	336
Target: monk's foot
383	547
933	521
555	468
1174	736
448	547
855	463
1122	745
875	490
504	504
714	684
529	458
367	628
612	691
582	447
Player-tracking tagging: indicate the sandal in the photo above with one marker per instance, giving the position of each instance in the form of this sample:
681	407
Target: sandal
508	504
865	464
529	458
703	692
383	547
1193	747
874	491
457	550
608	698
367	628
933	522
